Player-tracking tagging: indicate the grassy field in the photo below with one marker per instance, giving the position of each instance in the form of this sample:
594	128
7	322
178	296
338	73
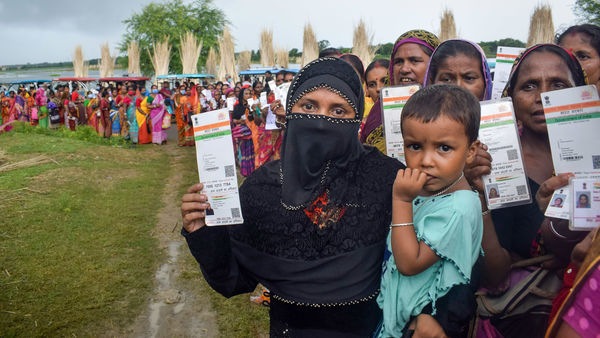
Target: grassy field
77	254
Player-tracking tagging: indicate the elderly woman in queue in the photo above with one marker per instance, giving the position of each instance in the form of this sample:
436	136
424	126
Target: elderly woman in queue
513	234
315	221
408	65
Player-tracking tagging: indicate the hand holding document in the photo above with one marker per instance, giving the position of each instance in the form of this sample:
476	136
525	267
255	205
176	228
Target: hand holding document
216	167
507	184
573	120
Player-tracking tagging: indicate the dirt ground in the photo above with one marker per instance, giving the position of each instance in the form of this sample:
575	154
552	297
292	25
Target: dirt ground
173	310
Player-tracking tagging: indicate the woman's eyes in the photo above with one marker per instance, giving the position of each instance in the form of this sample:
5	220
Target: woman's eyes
336	112
308	106
413	146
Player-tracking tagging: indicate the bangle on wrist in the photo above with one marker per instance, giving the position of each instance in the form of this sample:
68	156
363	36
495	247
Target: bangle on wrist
399	225
486	212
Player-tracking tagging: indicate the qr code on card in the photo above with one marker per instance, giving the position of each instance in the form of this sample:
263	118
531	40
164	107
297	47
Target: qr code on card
229	171
512	154
596	161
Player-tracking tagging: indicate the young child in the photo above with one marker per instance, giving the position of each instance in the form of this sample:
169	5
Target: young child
436	229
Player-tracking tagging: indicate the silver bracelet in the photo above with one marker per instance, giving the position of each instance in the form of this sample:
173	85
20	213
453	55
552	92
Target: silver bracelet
556	232
409	224
487	212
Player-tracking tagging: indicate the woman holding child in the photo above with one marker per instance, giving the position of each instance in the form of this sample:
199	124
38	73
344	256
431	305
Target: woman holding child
315	222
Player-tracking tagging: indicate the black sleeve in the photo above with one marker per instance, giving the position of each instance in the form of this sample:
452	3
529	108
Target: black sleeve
211	248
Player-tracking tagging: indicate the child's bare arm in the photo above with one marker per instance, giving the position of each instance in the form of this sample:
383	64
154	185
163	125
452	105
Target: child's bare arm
411	256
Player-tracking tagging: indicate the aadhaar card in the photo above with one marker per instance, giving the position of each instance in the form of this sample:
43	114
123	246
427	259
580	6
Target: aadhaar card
506	185
505	57
216	167
393	100
559	204
573	121
585	203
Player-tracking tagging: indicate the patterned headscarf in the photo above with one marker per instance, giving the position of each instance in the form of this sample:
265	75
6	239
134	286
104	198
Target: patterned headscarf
485	68
418	36
315	147
574	66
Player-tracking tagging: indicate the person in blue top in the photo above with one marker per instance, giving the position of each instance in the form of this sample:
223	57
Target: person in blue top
436	230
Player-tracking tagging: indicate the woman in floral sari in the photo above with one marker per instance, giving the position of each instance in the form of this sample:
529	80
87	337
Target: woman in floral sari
157	112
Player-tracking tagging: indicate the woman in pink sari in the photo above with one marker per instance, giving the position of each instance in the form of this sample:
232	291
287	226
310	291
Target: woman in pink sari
157	112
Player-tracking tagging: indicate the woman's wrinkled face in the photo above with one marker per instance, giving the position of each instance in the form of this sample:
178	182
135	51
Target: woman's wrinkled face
579	44
324	102
540	72
463	71
409	64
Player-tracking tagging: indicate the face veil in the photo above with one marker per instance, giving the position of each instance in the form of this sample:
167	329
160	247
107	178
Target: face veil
317	148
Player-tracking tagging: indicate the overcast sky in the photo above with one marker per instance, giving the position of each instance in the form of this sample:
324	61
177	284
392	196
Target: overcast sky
35	31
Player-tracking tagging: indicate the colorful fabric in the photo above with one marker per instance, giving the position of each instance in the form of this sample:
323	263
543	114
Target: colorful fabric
183	111
440	222
132	121
142	117
156	117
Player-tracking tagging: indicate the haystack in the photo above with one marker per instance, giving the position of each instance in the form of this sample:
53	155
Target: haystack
133	55
107	61
447	26
161	57
282	57
541	27
362	43
80	66
267	55
244	59
211	62
310	45
227	51
190	53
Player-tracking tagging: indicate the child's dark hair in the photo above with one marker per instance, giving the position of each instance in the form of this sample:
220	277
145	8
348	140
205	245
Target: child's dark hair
457	103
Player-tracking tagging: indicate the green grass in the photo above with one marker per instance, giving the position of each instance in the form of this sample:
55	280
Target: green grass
77	255
76	250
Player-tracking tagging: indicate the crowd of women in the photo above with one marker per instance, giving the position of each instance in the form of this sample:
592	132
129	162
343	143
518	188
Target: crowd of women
352	243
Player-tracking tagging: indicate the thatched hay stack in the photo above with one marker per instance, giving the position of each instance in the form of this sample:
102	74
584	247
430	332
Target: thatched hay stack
211	62
267	54
161	57
244	59
80	66
190	53
310	45
362	43
282	57
133	55
227	51
107	61
447	26
541	26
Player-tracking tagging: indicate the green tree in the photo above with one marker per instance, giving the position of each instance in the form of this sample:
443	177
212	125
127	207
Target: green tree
323	44
587	11
490	47
172	19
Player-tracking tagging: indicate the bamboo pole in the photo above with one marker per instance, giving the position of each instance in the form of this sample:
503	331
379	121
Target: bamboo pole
133	56
447	26
541	27
190	53
267	55
362	43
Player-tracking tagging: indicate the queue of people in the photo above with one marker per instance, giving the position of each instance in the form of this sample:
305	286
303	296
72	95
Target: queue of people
352	243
